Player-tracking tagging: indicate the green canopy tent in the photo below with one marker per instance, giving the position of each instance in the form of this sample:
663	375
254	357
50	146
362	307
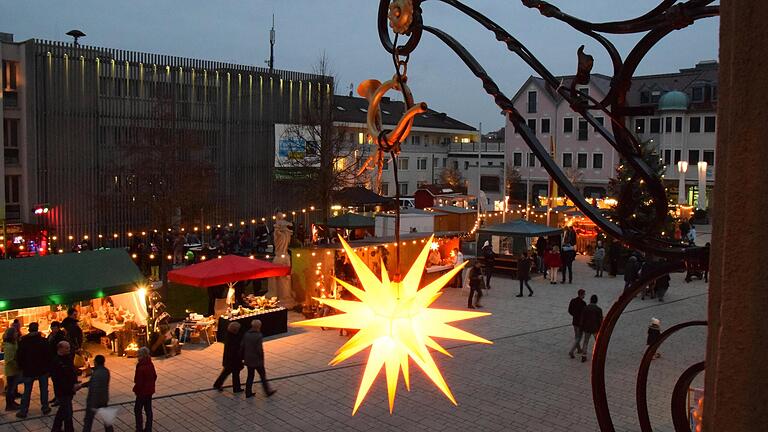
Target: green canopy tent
66	278
518	230
351	221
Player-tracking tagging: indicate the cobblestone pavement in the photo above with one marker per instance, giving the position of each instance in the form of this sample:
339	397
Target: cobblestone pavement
524	382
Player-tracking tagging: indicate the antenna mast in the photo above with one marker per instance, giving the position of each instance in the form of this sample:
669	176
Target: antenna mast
271	61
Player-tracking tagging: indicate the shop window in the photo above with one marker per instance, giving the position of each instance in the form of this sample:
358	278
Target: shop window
694	124
709	124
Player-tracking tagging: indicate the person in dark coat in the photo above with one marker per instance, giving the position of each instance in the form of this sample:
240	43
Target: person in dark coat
524	273
475	285
541	249
72	326
575	309
489	258
654	333
98	393
591	318
568	256
252	352
65	385
631	271
144	387
232	360
34	358
614	250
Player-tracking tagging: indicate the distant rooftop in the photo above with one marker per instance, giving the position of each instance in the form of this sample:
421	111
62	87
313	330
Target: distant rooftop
353	109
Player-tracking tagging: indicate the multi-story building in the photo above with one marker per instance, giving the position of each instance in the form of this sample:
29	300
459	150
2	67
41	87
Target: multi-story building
437	142
71	113
682	127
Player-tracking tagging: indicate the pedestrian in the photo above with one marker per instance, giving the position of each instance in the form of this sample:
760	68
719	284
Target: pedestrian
65	385
12	371
598	259
252	352
144	387
591	318
475	286
568	256
631	271
459	279
489	258
654	333
553	261
524	273
613	256
34	358
98	393
232	360
541	251
662	286
691	236
575	309
72	326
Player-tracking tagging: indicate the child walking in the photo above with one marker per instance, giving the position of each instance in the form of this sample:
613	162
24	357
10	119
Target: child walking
654	332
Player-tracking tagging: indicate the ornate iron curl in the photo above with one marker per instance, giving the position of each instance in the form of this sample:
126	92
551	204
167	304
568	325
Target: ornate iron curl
666	17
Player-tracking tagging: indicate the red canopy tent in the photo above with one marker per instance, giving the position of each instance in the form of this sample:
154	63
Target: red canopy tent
226	270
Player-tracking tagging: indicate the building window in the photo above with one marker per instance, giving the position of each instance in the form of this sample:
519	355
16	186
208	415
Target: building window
655	125
714	92
517	159
567	160
667	124
11	141
531	101
416	139
678	124
583	133
655	95
490	183
532	125
545	128
645	97
386	164
531	160
697	94
404	188
568	125
581	160
709	157
667	157
597	160
403	164
10	69
421	164
678	156
694	124
709	124
456	165
640	125
385	189
693	157
12	197
600	121
584	90
445	162
435	162
466	165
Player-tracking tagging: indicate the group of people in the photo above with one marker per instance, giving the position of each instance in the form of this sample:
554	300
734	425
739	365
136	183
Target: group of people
36	358
244	350
586	321
552	258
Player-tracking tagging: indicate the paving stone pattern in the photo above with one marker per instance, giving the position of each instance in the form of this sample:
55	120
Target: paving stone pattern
523	382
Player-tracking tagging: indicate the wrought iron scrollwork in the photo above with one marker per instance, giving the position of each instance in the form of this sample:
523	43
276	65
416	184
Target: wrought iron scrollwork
666	17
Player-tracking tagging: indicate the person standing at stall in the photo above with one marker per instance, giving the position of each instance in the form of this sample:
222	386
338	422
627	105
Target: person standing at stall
65	385
541	251
12	372
72	326
232	361
34	358
490	260
144	387
524	274
252	351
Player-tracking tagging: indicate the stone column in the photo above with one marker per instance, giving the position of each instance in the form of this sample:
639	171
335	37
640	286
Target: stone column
736	383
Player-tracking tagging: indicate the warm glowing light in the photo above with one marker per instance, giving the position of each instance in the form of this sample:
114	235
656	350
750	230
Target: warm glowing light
394	318
434	246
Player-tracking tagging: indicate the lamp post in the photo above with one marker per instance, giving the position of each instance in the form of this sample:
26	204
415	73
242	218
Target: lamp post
682	168
701	202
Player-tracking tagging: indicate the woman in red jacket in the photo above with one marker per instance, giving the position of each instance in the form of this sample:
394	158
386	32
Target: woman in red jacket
144	388
553	262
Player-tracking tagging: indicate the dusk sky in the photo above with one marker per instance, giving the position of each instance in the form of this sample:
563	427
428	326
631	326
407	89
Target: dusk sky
238	32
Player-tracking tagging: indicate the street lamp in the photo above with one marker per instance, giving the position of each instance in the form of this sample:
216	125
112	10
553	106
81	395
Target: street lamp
682	168
701	202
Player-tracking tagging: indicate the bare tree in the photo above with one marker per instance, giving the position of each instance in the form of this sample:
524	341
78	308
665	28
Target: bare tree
576	177
451	176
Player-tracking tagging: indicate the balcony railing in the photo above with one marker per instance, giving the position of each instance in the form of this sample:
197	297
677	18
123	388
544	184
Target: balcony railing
473	147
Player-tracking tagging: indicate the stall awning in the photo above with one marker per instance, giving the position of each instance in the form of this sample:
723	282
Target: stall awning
351	221
227	269
520	228
358	196
66	278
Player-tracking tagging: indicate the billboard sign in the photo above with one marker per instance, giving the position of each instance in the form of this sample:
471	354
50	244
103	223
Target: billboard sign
295	146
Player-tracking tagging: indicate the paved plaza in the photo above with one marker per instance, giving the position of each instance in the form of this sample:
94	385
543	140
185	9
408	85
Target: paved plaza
525	381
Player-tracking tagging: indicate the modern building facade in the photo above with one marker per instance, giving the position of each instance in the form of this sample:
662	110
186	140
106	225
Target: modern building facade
682	127
71	114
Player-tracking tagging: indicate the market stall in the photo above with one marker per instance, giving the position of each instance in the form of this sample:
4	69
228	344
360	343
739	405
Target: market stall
228	270
509	240
104	285
357	226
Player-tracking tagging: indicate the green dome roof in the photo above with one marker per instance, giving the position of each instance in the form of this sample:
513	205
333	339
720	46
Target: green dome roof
673	101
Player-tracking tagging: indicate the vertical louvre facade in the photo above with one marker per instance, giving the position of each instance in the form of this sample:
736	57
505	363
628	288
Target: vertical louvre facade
91	106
